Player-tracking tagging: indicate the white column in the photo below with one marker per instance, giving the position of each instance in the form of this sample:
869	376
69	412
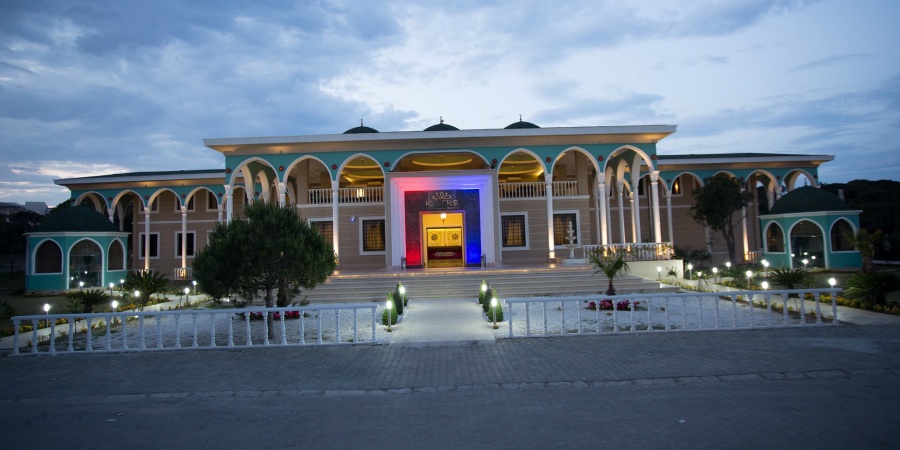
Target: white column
634	221
335	225
602	197
744	228
146	238
282	192
669	211
654	188
621	212
219	215
636	208
551	244
183	238
229	203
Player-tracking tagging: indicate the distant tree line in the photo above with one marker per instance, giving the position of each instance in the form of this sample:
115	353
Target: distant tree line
880	204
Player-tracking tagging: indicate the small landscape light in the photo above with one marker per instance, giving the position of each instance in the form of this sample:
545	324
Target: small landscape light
494	309
765	285
47	311
195	286
832	282
658	273
389	305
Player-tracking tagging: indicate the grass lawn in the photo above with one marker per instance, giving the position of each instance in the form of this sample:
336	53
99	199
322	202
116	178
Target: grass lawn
12	287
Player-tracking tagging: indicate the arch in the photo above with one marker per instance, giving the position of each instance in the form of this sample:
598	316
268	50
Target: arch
534	157
293	165
406	157
159	192
246	164
118	197
86	262
195	191
265	185
774	242
116	256
790	179
350	158
98	201
838	230
807	239
621	152
47	258
584	152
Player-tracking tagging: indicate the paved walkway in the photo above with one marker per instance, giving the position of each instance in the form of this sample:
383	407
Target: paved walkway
431	323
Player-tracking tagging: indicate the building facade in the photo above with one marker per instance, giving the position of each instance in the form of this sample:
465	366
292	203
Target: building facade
448	197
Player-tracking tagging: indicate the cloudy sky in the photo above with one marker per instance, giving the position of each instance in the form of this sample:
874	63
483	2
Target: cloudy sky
97	87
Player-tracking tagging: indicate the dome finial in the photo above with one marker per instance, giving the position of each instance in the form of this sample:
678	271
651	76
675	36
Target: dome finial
442	119
361	122
520	117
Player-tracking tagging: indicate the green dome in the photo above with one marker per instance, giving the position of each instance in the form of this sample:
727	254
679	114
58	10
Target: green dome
441	127
361	129
808	199
520	124
76	218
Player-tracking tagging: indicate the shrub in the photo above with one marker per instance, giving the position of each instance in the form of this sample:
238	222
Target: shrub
6	311
872	288
399	302
789	278
384	316
592	306
482	293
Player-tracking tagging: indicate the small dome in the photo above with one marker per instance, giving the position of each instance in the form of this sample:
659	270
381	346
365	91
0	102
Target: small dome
441	127
361	129
76	218
808	199
520	124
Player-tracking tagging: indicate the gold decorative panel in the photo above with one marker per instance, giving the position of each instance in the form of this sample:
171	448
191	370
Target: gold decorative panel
444	237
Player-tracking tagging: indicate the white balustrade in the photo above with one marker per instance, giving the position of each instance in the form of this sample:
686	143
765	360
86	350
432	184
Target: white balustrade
647	251
347	195
291	329
538	189
643	313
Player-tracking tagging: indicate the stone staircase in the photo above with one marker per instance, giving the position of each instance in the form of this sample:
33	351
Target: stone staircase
464	284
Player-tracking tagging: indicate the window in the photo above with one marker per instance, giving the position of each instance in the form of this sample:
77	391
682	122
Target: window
116	256
774	239
190	244
325	228
372	235
154	245
642	190
154	205
676	186
838	242
514	230
212	204
561	223
48	258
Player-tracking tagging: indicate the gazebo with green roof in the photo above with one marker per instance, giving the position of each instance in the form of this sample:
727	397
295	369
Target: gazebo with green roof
806	229
74	245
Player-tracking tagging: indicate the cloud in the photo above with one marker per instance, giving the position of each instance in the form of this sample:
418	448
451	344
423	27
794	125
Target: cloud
830	61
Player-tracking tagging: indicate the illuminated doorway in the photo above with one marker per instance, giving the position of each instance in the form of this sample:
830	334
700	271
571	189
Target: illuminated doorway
444	239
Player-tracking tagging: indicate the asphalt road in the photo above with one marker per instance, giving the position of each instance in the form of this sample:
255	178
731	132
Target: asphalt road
834	387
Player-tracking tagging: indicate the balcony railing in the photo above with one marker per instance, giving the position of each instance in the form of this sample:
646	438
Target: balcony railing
347	195
648	251
538	189
183	274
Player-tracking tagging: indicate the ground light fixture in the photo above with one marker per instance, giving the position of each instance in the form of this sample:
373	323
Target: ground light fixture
111	286
766	265
186	292
389	305
690	267
402	290
483	286
47	311
115	305
81	285
805	262
832	282
765	285
749	276
494	308
658	273
121	284
727	264
715	274
195	286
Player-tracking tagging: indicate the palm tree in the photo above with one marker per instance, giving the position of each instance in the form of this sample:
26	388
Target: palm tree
611	267
865	243
789	278
147	282
873	287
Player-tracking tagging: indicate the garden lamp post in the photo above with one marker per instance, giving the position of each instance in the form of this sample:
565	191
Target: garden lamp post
137	295
749	276
195	286
766	265
121	284
81	285
805	262
715	274
115	305
494	309
483	286
186	292
111	285
690	267
47	311
389	305
658	273
727	264
765	285
832	282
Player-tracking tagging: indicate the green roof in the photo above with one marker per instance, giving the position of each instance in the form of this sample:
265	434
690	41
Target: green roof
76	218
808	199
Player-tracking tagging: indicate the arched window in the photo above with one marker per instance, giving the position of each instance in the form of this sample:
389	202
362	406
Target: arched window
48	258
774	238
838	242
116	258
85	264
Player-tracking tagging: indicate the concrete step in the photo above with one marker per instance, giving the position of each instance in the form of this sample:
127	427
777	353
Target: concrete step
424	285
